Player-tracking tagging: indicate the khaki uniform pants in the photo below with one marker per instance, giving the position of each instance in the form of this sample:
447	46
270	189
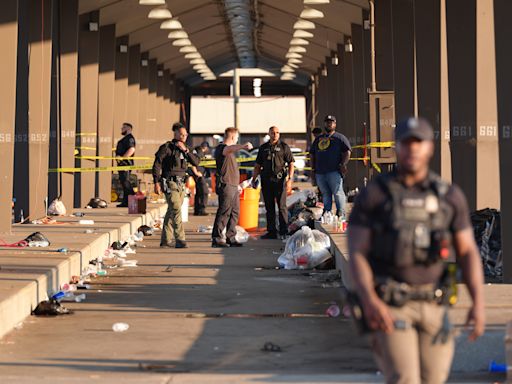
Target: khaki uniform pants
423	351
172	220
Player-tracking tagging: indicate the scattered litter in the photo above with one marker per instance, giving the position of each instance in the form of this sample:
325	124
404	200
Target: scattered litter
242	236
205	229
96	202
145	230
78	214
333	310
37	239
18	326
57	208
102	273
71	297
89	231
334	284
276	252
258	269
62	250
120	327
68	287
306	248
86	222
50	308
127	263
271	347
168	269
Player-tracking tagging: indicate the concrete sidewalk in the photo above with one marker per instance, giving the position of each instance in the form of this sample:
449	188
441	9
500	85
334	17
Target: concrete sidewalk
197	315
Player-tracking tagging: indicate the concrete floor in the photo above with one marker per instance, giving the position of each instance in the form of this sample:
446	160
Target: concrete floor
203	320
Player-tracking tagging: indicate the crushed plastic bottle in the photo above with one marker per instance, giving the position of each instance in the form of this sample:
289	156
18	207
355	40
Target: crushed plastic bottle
333	310
120	327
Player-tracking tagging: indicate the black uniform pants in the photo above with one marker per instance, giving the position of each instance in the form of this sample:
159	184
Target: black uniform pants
227	213
124	179
275	191
201	198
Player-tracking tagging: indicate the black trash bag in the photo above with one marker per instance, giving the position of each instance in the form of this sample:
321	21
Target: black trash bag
304	217
487	230
146	230
51	308
37	239
96	202
117	245
311	201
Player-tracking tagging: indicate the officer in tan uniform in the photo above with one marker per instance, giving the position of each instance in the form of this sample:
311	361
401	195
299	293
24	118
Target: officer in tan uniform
404	228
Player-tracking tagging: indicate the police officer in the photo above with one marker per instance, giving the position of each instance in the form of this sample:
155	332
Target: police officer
169	174
228	190
275	163
403	229
199	175
329	155
125	148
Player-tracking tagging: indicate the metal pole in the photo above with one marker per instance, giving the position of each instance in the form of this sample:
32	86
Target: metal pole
372	44
236	95
312	123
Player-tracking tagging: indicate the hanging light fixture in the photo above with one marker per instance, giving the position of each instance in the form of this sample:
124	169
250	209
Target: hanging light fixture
348	46
323	71
181	42
176	34
151	2
297	49
171	24
197	61
303	24
286	68
298	41
335	59
316	2
292	65
159	13
302	34
295	61
188	49
311	13
293	55
193	55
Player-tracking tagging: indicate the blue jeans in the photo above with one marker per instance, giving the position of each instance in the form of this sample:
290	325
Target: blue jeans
331	184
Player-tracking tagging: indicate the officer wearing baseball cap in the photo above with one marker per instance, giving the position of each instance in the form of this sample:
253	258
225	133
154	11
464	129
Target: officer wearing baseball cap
405	227
330	154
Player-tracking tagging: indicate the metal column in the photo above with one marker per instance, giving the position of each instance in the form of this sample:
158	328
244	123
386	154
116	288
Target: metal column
143	146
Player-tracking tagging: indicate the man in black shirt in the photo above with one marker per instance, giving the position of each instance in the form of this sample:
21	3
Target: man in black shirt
199	175
125	148
227	188
403	229
275	163
169	174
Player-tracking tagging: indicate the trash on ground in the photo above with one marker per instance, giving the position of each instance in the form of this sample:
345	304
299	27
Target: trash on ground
271	347
56	208
335	284
205	229
50	308
305	249
333	310
169	268
96	202
120	327
78	214
145	230
127	263
37	239
242	236
71	297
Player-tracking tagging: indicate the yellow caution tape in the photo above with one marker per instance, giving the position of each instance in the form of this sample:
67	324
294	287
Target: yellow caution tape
112	158
86	134
102	169
86	148
382	144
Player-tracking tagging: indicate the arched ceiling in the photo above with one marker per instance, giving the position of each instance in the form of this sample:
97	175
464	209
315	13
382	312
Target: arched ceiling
211	29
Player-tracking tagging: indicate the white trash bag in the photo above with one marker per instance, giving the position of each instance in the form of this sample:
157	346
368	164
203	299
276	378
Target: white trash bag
57	208
242	236
305	249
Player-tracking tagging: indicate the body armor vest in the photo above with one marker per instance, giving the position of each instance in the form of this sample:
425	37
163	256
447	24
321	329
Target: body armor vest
413	226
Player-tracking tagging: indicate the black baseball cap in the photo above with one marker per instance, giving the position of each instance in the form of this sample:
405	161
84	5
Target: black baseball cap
177	126
205	144
418	128
330	118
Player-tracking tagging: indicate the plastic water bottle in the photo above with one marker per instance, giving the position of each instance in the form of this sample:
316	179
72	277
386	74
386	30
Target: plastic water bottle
120	327
58	295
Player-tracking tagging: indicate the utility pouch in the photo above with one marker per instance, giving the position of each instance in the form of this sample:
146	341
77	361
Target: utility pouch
356	310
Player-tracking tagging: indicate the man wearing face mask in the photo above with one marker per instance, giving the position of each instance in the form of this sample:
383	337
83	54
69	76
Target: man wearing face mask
169	175
329	155
125	148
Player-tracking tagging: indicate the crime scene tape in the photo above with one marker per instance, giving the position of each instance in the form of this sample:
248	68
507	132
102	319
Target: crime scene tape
86	134
112	158
101	169
86	148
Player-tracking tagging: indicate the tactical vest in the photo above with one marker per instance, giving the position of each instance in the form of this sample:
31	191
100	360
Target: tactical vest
414	226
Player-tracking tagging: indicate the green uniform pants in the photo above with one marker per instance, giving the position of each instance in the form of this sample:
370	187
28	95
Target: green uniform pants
172	220
422	352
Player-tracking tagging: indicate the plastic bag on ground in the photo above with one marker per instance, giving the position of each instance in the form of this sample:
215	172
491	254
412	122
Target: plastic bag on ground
242	236
57	208
305	249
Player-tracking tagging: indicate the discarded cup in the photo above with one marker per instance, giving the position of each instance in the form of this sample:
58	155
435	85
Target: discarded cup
120	327
102	273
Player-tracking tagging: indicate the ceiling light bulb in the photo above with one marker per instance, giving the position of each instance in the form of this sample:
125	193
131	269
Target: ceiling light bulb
159	13
303	24
311	13
176	34
151	2
297	49
298	41
348	46
303	34
316	2
181	42
188	49
335	59
293	55
171	24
